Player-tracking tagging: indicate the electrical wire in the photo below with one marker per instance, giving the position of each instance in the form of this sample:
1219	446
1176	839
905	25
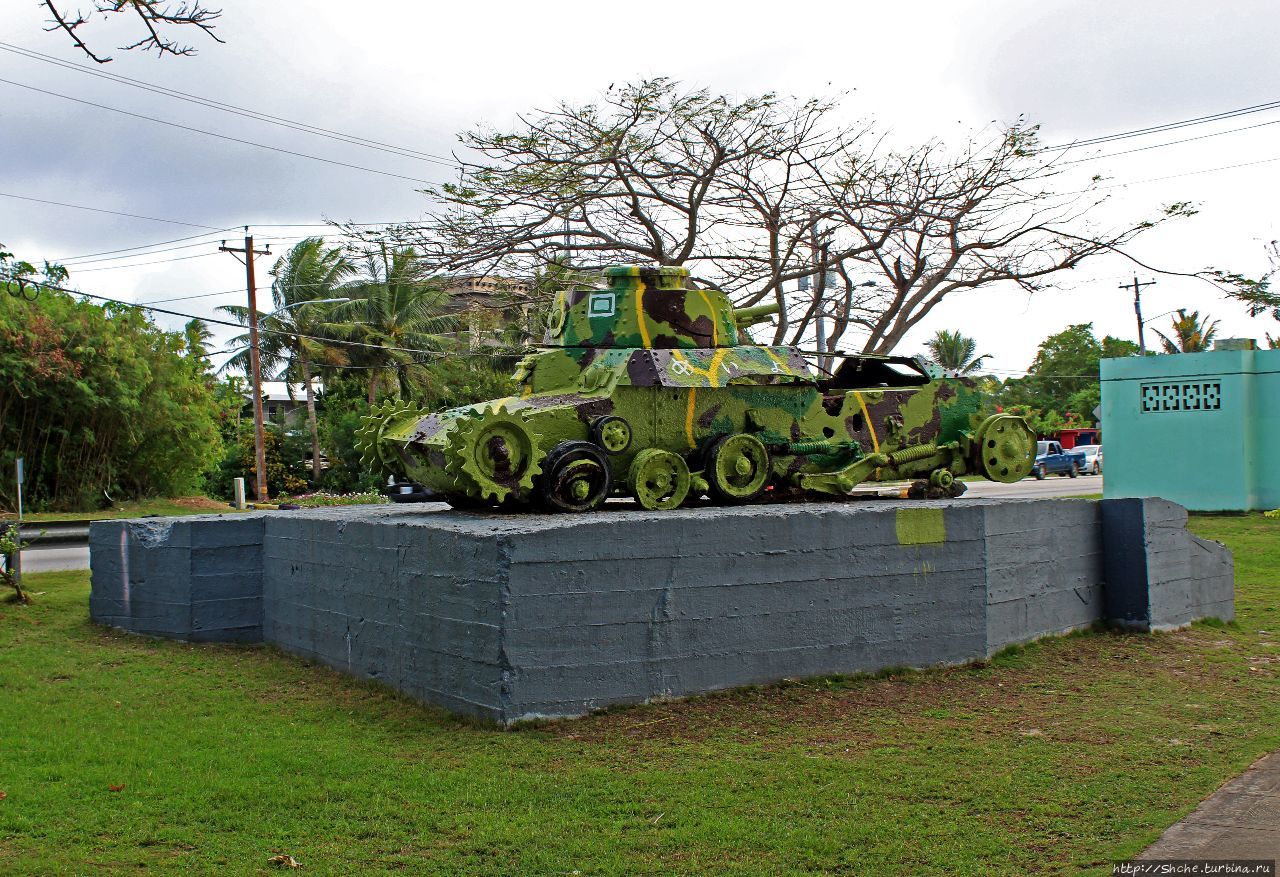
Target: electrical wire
1165	126
65	259
432	354
228	137
144	264
112	212
1172	142
210	103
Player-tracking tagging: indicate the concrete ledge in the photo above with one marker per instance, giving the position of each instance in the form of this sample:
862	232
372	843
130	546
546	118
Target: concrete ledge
512	618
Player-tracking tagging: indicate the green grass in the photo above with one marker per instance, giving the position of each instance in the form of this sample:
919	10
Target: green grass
1053	758
185	505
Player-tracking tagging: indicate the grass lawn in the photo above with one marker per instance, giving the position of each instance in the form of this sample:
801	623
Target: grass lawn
119	754
181	505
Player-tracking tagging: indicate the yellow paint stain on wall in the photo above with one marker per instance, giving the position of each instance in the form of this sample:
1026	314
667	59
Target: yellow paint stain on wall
921	527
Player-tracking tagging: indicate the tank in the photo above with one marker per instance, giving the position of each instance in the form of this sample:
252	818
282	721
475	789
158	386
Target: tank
651	389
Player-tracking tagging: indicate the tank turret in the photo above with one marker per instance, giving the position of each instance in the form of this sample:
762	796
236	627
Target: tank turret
643	308
645	387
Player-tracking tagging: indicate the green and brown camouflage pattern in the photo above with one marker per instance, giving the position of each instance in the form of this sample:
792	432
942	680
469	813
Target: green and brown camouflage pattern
669	362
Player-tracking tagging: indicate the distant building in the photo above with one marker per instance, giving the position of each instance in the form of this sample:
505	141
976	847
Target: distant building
282	403
493	310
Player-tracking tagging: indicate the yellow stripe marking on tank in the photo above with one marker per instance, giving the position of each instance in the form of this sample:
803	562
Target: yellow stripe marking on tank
875	443
688	417
711	372
644	331
715	330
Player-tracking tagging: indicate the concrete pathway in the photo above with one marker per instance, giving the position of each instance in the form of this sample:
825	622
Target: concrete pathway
1239	821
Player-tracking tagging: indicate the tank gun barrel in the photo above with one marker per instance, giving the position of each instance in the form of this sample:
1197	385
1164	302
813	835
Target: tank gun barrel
745	317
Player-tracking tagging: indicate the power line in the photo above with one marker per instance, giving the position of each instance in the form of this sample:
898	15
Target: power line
1165	126
305	337
112	212
144	264
210	103
1173	142
227	137
65	259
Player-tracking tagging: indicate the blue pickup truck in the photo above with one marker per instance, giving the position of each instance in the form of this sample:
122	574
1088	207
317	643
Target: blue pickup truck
1051	459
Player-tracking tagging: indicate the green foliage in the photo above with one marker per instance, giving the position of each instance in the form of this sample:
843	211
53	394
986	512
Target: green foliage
1062	386
1189	334
399	313
954	353
466	380
285	452
324	499
99	399
10	545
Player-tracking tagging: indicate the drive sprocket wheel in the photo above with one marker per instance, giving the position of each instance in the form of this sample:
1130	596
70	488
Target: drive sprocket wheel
495	452
737	468
375	453
1005	447
659	479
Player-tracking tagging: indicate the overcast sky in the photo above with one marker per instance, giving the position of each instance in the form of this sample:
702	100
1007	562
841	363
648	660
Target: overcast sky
413	74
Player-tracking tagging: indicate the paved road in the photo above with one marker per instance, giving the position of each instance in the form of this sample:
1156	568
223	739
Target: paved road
55	558
1029	488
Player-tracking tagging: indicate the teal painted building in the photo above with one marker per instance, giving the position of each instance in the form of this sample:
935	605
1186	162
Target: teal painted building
1201	429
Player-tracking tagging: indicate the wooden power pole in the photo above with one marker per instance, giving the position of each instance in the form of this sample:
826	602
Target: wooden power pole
1137	309
255	369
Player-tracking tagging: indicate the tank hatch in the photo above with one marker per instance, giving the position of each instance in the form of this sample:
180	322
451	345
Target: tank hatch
643	307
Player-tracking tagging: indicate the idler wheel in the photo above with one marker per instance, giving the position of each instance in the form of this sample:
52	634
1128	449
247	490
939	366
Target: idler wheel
1005	447
576	477
737	468
659	479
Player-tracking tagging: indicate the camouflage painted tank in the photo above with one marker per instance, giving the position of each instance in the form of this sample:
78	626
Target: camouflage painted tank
653	390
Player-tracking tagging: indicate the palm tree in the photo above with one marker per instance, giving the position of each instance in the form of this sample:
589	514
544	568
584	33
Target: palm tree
953	353
397	313
307	279
197	336
1190	335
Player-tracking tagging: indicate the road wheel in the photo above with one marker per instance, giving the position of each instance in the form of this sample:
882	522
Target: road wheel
576	477
1075	470
737	468
1041	472
659	479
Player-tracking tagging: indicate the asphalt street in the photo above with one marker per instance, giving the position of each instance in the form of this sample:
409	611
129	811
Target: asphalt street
1029	488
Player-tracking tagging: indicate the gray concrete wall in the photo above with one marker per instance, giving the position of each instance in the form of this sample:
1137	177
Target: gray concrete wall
1159	576
1044	569
511	618
197	578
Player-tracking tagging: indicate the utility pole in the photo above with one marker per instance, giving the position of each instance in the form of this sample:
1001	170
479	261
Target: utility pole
1137	309
255	369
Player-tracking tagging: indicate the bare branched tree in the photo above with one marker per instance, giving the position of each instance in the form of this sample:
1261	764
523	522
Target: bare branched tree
158	18
650	174
990	214
767	198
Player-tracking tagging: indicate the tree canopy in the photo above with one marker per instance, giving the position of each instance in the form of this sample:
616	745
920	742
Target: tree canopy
1063	380
97	398
768	198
